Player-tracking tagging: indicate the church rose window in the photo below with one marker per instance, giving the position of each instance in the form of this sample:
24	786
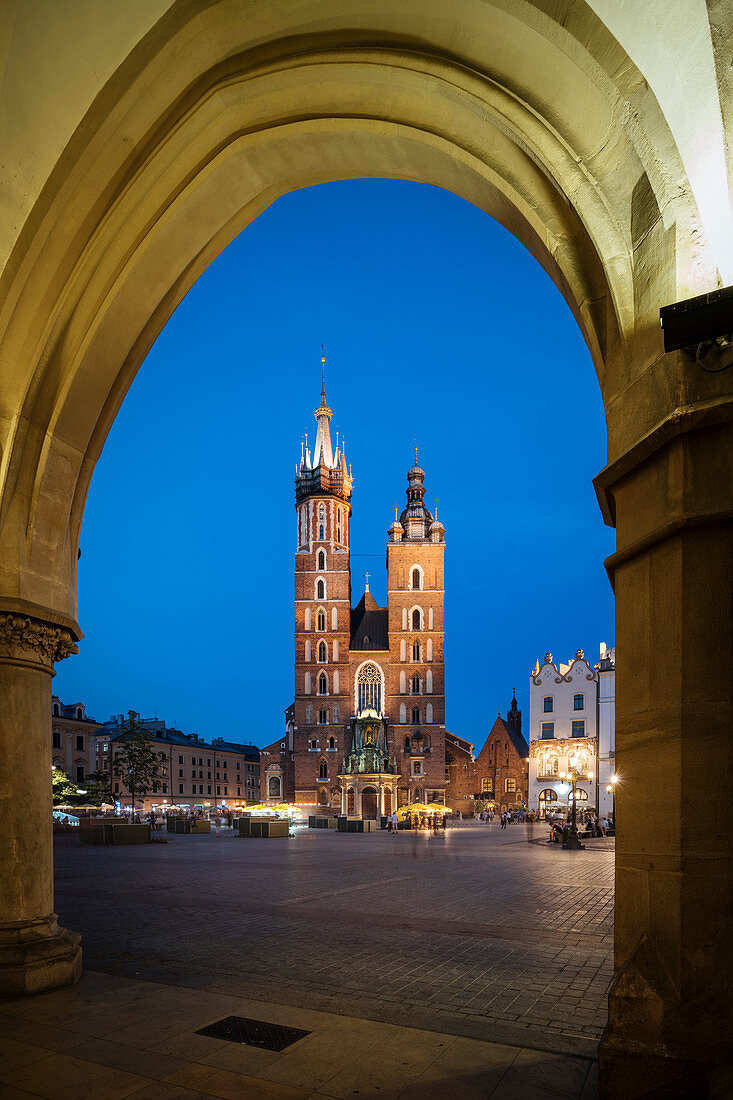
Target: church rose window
369	688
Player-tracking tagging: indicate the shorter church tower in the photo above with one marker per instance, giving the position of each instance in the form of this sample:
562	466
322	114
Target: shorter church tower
416	688
370	776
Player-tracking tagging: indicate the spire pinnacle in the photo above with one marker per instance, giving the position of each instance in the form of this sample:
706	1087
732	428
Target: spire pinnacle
366	581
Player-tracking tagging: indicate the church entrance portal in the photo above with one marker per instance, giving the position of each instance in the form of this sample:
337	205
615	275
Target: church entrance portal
369	803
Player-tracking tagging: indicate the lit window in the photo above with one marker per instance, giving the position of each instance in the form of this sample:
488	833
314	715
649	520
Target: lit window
548	729
548	705
578	702
510	785
486	785
579	728
369	687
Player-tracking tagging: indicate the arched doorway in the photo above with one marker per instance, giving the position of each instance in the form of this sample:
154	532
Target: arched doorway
388	802
369	803
545	800
606	198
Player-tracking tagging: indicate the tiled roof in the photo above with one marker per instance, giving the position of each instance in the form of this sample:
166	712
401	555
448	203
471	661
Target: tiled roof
369	625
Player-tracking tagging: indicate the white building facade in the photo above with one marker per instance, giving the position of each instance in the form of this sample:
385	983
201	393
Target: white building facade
572	727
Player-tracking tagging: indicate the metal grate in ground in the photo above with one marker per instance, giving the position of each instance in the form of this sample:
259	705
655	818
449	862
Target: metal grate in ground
253	1033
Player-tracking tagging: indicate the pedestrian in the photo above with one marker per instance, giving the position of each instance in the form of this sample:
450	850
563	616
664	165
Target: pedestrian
394	820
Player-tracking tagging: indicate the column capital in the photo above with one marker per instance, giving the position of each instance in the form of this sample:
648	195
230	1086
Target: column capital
35	636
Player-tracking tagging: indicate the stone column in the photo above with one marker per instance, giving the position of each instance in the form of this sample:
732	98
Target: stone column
35	954
670	1021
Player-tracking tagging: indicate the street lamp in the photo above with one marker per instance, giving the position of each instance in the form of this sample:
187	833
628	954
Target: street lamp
573	842
611	789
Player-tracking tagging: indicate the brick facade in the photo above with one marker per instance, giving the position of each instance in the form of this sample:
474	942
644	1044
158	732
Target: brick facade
347	658
502	771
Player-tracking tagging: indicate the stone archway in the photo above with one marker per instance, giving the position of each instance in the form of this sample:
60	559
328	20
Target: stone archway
187	123
369	803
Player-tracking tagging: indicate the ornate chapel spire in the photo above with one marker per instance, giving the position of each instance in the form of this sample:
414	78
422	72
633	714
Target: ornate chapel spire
322	451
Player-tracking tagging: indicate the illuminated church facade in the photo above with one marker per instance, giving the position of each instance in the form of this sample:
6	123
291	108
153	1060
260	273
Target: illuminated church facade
365	733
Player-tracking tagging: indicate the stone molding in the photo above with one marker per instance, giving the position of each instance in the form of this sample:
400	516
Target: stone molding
21	635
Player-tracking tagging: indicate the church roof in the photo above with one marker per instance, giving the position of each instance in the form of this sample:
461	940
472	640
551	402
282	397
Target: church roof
369	624
501	728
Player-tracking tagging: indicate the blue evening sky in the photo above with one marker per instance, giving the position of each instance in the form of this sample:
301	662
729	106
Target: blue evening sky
439	327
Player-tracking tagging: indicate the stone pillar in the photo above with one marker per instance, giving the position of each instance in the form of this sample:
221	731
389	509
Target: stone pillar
670	1021
35	954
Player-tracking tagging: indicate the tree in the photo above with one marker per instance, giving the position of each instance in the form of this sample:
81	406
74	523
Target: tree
135	761
63	790
97	785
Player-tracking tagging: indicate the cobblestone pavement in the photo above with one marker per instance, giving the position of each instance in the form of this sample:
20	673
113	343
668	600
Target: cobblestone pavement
475	933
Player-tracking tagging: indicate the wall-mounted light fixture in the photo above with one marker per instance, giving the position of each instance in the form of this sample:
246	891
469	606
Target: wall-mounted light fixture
701	325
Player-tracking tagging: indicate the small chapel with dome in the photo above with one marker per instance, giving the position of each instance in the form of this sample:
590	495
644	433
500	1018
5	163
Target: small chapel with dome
369	680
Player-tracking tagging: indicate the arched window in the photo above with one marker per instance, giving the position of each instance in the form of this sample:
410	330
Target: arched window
332	740
322	716
426	743
404	618
430	619
322	684
323	797
321	531
416	619
320	589
415	685
369	681
307	649
403	713
336	684
334	619
578	702
321	559
335	648
79	713
307	618
429	681
56	710
430	649
415	715
322	768
408	744
309	715
403	683
307	683
429	713
403	649
336	713
322	652
580	795
416	578
548	705
321	621
416	651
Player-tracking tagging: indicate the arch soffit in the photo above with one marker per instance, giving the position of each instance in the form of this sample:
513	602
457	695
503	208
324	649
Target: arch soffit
114	267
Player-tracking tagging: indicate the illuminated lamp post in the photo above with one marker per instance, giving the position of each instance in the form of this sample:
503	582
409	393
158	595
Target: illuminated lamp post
611	789
573	842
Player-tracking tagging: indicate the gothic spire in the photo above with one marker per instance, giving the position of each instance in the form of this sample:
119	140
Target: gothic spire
323	451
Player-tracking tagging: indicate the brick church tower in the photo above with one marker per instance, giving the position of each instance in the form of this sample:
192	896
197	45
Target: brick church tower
386	662
322	610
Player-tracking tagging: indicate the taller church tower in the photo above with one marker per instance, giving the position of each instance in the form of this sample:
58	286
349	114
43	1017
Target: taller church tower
322	607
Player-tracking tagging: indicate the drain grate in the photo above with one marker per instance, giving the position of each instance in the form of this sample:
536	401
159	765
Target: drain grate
253	1033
